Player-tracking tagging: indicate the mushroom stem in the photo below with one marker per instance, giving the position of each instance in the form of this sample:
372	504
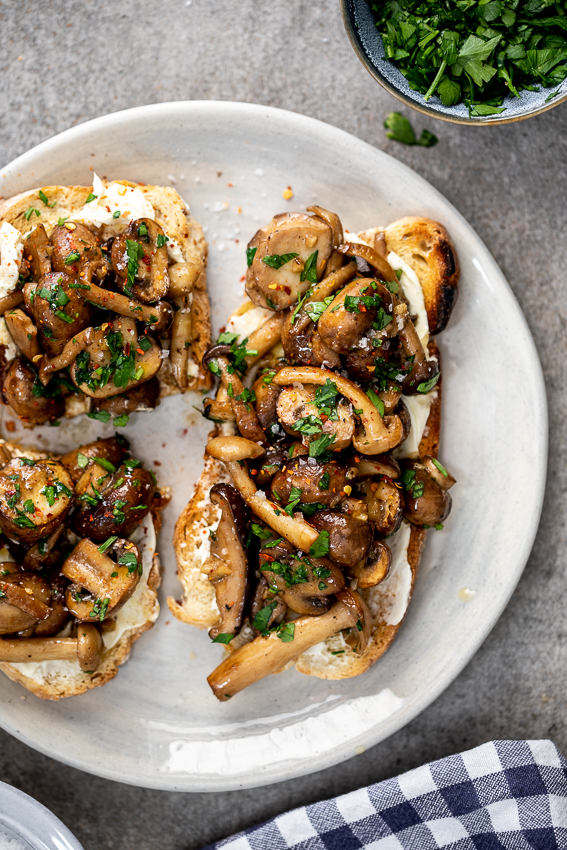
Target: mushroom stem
233	448
10	301
265	655
332	282
246	416
265	338
377	435
297	531
158	316
86	648
78	343
372	257
180	341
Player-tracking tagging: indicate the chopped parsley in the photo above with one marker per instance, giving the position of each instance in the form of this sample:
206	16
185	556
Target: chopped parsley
107	543
412	486
399	129
224	637
44	199
315	309
321	546
376	401
100	608
276	261
161	239
101	415
129	560
310	269
262	618
427	386
250	253
134	252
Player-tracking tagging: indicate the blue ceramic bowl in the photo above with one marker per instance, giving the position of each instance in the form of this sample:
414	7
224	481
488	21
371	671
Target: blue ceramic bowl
31	825
368	46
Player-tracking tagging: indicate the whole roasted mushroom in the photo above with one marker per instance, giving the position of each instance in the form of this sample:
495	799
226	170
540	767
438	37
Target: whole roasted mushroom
306	585
349	538
353	313
319	483
142	397
229	566
35	497
385	505
25	394
117	505
425	502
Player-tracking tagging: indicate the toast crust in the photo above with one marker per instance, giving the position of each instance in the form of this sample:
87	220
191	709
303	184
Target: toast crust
173	215
427	248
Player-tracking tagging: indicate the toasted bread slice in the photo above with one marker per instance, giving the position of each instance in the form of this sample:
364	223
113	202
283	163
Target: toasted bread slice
428	249
56	680
389	600
173	215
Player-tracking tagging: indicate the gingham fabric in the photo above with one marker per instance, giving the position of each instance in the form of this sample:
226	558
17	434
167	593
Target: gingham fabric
504	794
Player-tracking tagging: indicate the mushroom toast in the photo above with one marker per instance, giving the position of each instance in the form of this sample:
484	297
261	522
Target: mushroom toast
303	539
79	570
103	298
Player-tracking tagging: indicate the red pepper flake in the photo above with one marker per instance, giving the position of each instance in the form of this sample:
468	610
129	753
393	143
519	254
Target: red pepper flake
157	463
138	350
243	278
127	349
230	185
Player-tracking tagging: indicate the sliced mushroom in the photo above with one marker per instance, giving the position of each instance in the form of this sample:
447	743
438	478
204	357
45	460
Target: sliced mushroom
123	500
142	397
116	360
375	435
425	503
24	333
139	258
265	655
375	568
385	505
352	314
37	252
296	239
59	311
74	245
101	581
23	392
296	404
349	538
321	483
34	498
229	546
24	599
86	648
112	449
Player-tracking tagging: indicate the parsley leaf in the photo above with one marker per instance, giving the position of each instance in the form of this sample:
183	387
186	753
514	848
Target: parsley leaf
276	261
250	253
399	129
321	546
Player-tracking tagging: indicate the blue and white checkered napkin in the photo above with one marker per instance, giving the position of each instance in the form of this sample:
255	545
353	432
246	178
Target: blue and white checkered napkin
504	794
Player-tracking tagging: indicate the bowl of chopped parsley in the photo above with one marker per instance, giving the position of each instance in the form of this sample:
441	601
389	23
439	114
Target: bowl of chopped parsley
466	61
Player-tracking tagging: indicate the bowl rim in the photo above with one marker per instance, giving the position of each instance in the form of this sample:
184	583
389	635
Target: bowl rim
354	38
32	822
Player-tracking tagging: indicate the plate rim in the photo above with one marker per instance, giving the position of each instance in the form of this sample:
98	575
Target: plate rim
388	727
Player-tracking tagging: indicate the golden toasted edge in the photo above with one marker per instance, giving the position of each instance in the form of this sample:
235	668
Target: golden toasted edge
173	214
197	605
425	245
112	660
383	634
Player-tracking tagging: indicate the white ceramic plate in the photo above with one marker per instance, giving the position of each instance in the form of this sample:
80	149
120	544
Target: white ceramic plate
27	825
157	724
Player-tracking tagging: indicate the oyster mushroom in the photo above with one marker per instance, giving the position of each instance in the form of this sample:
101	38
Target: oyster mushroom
229	549
265	655
37	252
375	435
139	258
240	398
24	333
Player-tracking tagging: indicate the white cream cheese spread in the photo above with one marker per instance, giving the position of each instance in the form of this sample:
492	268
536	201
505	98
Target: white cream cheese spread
11	252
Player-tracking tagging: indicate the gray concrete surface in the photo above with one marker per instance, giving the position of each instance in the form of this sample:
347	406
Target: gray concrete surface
64	62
